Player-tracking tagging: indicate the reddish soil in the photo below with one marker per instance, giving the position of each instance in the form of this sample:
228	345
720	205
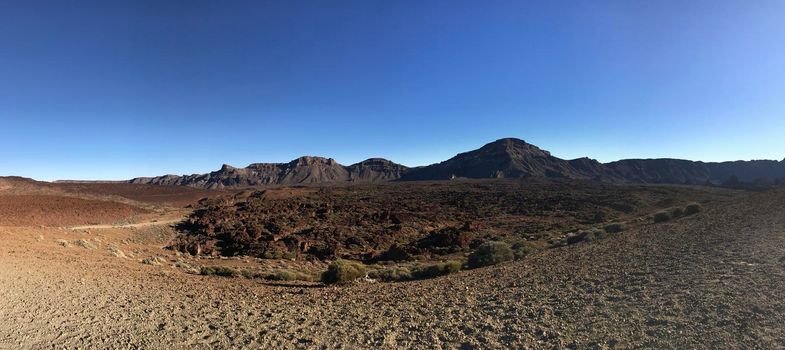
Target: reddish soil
179	196
50	210
715	279
707	281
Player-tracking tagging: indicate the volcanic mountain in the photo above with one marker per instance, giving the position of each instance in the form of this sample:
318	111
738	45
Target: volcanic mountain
507	158
504	158
303	170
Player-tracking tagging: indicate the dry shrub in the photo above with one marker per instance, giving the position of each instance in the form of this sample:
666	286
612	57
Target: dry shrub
615	227
692	209
342	271
84	244
490	253
116	252
662	216
155	261
391	274
437	269
222	271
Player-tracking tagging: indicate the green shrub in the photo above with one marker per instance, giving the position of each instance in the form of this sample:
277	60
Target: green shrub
284	275
490	253
692	208
519	251
437	269
589	235
250	274
615	227
662	216
219	271
278	254
341	271
278	275
677	212
391	274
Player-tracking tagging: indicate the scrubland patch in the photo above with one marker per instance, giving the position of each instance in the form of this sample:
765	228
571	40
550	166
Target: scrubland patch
342	271
84	244
662	216
490	253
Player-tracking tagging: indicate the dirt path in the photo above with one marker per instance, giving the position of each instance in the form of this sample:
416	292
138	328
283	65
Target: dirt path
714	280
136	225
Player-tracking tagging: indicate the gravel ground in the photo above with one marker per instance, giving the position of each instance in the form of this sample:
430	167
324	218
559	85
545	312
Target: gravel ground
713	280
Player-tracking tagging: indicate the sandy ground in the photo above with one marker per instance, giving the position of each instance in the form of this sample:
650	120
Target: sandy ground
713	280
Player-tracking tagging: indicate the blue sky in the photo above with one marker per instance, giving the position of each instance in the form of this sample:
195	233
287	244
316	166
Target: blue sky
119	89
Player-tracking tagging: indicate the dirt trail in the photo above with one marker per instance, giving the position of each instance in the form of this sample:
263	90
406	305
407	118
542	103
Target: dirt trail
713	280
136	225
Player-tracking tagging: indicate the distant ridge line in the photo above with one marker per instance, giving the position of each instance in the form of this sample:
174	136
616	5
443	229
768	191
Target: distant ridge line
503	158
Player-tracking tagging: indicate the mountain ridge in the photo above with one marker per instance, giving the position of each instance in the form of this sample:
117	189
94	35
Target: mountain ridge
503	158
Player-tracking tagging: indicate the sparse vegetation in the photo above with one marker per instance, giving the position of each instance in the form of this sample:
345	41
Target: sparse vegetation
615	227
187	267
692	209
219	271
490	253
116	252
437	269
154	260
414	271
84	244
662	216
278	254
585	235
520	250
677	212
390	274
342	271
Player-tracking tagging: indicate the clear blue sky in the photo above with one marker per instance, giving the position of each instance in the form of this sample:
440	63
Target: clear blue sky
119	89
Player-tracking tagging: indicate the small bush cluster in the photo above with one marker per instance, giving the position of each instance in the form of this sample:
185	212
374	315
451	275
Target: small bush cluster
615	227
677	212
521	250
278	254
662	216
342	271
154	260
437	269
415	272
392	274
589	235
84	244
278	275
219	271
692	209
490	253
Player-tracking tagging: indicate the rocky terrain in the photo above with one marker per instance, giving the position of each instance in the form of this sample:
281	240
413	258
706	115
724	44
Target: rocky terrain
504	158
405	220
705	281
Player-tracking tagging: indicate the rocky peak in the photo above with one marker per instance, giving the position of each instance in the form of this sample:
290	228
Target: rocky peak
310	161
513	147
227	167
